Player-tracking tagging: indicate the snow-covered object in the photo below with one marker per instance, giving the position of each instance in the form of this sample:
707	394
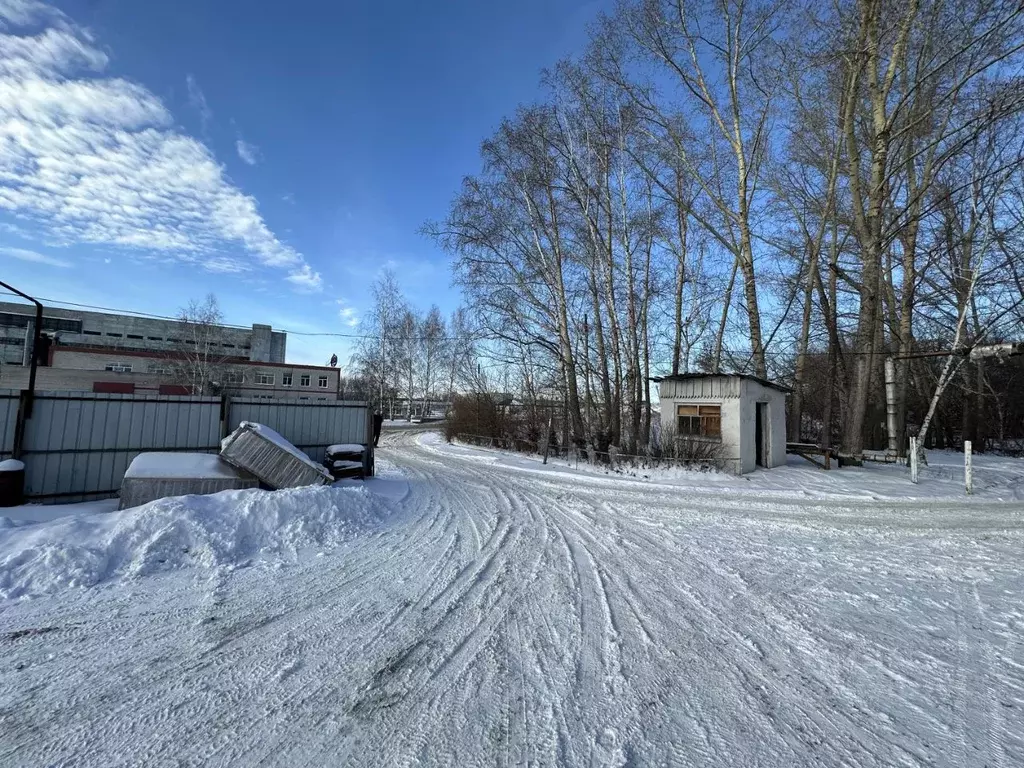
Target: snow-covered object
168	465
345	448
224	529
343	464
261	451
11	465
153	476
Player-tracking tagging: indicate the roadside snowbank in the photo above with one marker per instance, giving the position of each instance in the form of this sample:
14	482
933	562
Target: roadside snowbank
229	529
996	478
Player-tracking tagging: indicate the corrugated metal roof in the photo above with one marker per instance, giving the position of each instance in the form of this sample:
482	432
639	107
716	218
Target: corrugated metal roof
749	377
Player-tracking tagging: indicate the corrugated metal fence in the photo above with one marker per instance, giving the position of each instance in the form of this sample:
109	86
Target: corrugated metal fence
77	445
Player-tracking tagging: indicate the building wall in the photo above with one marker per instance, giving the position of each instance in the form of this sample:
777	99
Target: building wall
260	343
775	426
79	370
731	455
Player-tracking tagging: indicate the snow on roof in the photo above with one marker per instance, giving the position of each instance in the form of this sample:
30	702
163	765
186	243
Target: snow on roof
179	465
11	465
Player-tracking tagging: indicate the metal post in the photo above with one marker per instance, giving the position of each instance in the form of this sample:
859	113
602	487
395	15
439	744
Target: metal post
547	437
28	396
890	404
33	362
913	459
968	469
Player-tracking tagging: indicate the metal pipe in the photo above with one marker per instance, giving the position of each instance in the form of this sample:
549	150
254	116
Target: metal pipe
890	404
35	344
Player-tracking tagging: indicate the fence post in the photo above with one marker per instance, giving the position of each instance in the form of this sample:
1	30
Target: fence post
225	416
913	459
968	469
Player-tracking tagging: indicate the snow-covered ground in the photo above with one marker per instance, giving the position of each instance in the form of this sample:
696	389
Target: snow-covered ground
493	613
995	477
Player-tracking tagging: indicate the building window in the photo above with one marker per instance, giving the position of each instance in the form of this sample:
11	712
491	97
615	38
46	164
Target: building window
173	341
303	398
118	367
233	377
92	333
323	382
229	346
265	378
286	380
155	338
12	320
160	370
135	336
304	380
115	335
699	421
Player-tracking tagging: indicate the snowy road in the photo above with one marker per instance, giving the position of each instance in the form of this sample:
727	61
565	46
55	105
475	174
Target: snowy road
507	617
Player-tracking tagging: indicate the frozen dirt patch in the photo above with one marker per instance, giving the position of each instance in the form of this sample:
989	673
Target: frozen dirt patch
224	529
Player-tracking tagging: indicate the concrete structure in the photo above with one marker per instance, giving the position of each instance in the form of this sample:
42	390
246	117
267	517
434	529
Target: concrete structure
98	352
745	414
77	328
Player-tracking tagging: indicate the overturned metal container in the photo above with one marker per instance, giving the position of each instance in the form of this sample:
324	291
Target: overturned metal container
154	476
260	451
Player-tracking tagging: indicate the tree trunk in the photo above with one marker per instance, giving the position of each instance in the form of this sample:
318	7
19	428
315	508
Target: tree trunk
720	337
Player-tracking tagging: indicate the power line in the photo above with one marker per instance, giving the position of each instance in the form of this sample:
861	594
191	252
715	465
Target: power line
771	353
244	327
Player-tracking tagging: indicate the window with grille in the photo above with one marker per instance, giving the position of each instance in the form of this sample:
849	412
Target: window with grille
699	421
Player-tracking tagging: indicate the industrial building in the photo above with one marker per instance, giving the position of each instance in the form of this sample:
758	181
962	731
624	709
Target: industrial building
105	352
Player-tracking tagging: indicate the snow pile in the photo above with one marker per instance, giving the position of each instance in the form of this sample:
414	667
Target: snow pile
11	465
225	529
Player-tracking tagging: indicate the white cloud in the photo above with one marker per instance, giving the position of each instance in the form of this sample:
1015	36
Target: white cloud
306	278
35	257
96	159
349	316
249	153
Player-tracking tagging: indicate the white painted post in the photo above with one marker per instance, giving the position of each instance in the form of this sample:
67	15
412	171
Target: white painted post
968	469
913	459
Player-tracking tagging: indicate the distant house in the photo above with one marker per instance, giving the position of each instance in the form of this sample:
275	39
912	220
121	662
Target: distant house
743	413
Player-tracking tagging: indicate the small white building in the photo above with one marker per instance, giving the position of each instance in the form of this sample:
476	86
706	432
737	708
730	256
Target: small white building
747	415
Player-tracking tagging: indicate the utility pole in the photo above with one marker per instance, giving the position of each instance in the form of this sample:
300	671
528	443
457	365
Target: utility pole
29	398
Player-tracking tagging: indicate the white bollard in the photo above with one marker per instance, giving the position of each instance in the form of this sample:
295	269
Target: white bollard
968	470
913	459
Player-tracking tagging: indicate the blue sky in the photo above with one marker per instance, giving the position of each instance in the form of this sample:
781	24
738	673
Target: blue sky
277	155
